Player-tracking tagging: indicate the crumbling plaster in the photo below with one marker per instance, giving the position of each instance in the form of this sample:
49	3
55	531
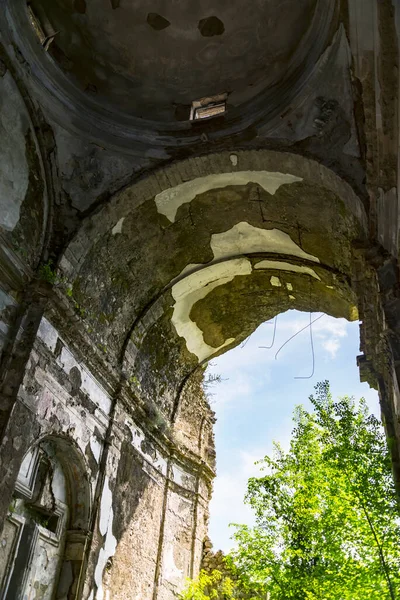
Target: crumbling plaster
165	233
196	281
79	409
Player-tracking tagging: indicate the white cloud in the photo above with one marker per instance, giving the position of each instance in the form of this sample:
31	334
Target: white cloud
331	332
331	346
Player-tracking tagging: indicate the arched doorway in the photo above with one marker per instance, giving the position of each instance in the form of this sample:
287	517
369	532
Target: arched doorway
44	537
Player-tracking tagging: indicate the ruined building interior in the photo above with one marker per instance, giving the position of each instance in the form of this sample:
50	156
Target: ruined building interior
173	174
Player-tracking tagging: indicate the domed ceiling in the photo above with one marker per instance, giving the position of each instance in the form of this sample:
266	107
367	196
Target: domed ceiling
150	60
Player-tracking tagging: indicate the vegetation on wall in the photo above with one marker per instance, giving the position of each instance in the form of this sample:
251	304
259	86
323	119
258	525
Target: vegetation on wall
327	519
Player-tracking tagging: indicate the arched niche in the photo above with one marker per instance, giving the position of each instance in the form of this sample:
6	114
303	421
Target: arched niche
45	533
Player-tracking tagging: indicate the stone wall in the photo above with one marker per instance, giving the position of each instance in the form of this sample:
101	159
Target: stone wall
143	499
132	251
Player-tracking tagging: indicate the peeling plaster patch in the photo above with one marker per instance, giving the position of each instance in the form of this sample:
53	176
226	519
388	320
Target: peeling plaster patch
184	479
118	227
171	571
170	200
89	385
275	281
110	543
195	287
48	334
354	315
159	462
243	238
284	266
95	447
292	297
234	159
289	287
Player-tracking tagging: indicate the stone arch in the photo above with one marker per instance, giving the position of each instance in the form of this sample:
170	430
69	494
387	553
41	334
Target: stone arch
48	522
217	224
170	177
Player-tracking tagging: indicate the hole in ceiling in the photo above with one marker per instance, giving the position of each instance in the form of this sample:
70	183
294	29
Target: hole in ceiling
157	22
211	26
205	108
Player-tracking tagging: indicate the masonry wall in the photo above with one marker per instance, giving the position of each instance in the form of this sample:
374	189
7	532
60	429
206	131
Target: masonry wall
146	506
138	475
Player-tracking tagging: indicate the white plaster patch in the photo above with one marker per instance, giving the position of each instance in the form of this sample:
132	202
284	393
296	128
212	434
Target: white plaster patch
183	478
171	571
106	511
89	385
234	159
292	297
157	461
110	543
195	287
95	447
243	238
118	227
58	485
275	281
284	266
170	200
330	287
289	287
48	334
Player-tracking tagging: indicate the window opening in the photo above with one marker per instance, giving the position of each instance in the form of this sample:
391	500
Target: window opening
209	107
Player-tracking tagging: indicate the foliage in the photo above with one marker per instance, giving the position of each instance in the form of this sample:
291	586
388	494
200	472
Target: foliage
47	273
327	522
209	586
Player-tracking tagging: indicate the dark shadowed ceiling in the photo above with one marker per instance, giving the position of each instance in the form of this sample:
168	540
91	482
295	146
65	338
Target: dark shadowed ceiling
150	59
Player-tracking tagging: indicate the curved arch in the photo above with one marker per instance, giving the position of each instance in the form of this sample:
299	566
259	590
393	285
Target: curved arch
49	519
162	274
73	463
177	177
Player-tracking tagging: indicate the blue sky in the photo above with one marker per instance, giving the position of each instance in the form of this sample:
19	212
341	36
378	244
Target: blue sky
255	401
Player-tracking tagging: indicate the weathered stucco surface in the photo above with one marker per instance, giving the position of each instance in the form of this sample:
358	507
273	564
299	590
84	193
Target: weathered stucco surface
136	244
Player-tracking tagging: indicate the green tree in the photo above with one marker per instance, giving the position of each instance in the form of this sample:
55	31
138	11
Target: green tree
214	585
327	521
